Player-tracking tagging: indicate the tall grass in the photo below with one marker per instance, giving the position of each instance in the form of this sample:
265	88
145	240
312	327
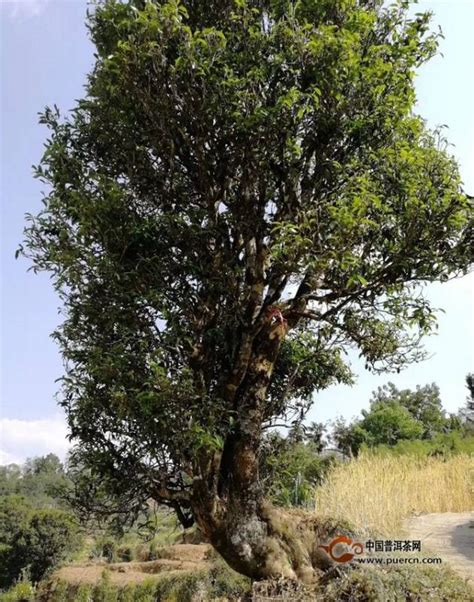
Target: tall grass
376	493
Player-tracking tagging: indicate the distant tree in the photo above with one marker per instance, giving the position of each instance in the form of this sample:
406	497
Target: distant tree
9	477
424	405
42	480
243	193
388	423
342	436
296	433
466	414
385	425
315	433
49	464
454	424
395	415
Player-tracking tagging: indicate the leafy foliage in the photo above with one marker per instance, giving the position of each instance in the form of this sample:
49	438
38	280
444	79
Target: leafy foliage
243	192
291	468
23	591
424	405
396	415
443	444
33	540
40	480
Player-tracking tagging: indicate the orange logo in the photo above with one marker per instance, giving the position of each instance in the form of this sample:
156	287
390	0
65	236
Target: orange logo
344	543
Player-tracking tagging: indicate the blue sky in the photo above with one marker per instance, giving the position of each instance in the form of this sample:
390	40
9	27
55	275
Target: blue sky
45	57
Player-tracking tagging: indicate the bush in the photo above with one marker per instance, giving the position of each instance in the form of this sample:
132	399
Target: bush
142	552
109	550
105	591
60	593
290	470
84	593
143	592
443	445
31	539
105	548
47	539
14	513
21	592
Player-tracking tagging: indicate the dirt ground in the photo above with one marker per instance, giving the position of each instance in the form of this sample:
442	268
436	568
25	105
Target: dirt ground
175	559
449	536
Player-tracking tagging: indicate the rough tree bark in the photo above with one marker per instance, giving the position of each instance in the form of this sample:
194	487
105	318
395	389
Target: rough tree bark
254	537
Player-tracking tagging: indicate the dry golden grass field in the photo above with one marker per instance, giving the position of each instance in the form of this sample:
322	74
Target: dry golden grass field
377	493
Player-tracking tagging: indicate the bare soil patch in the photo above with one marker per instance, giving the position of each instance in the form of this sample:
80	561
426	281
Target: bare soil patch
173	559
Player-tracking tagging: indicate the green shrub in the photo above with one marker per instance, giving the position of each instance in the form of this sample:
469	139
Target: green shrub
14	514
153	551
142	552
214	584
109	550
105	591
46	540
20	592
141	592
32	539
446	444
226	582
290	470
84	593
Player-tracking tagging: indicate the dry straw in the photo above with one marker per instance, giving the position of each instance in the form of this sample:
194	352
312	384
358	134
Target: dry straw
377	493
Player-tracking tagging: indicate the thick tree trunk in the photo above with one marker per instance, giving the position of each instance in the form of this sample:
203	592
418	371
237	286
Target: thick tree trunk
255	538
265	542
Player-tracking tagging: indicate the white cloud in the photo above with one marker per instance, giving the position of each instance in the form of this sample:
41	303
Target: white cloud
21	439
6	458
18	9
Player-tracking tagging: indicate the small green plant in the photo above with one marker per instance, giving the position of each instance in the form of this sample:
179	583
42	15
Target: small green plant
109	550
20	592
105	591
217	583
141	592
84	593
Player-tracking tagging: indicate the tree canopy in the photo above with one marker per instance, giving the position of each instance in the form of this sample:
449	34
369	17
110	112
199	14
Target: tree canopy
395	415
243	193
